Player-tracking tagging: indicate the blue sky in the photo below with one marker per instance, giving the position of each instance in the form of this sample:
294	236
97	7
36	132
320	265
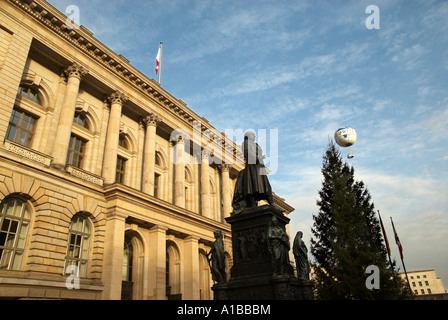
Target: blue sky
306	68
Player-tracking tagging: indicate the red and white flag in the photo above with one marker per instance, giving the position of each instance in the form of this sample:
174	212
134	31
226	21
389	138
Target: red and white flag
159	58
397	240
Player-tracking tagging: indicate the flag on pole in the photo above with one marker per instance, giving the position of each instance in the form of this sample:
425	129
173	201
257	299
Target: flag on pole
159	58
397	240
384	234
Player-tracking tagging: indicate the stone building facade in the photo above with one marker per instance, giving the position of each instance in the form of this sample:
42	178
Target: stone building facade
424	282
104	192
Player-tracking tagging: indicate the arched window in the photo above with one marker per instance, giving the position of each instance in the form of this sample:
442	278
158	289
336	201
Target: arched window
15	218
122	142
78	245
128	256
122	158
29	94
159	176
78	154
189	190
214	201
172	271
158	160
77	145
204	277
81	120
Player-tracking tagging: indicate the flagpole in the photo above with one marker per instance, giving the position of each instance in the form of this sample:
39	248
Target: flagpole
397	240
160	66
409	285
385	240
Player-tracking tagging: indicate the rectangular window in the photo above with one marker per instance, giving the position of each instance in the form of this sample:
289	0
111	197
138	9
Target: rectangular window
21	128
75	154
121	167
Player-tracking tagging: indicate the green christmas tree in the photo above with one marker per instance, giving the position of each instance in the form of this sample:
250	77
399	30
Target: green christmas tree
347	238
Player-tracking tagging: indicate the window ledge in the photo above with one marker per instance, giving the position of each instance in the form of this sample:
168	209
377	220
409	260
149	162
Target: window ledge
28	153
84	175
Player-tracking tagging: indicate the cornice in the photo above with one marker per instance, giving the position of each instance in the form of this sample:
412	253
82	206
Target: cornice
282	204
128	194
83	39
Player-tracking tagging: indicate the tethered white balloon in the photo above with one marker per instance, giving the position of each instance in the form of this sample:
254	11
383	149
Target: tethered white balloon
345	137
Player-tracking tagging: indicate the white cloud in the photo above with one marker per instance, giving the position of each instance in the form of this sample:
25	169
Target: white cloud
403	194
410	57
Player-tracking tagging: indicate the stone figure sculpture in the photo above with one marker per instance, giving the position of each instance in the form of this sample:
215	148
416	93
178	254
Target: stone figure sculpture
252	183
217	261
300	253
278	245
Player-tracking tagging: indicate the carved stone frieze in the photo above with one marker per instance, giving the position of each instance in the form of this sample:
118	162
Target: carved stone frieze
87	176
250	244
27	153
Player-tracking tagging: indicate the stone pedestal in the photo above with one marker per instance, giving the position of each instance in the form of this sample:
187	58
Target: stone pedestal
252	274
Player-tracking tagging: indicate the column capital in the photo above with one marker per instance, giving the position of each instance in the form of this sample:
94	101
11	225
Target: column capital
151	119
206	154
224	167
118	97
75	70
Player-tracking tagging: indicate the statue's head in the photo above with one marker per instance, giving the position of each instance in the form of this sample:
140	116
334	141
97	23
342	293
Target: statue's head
218	234
249	135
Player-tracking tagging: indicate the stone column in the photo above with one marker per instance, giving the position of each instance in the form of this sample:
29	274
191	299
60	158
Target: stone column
157	266
226	194
74	74
117	99
205	186
113	255
191	269
179	173
150	121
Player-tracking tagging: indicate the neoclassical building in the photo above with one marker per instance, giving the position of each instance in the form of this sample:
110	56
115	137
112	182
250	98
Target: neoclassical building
106	192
